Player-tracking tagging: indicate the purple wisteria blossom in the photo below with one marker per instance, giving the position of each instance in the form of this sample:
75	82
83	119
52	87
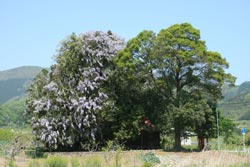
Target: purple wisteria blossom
64	106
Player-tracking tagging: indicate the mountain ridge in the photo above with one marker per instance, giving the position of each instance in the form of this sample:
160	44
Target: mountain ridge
14	82
20	72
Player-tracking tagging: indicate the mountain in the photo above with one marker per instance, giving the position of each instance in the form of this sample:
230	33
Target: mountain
14	82
12	112
236	102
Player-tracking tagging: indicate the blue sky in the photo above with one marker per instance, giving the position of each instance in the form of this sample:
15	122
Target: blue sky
31	31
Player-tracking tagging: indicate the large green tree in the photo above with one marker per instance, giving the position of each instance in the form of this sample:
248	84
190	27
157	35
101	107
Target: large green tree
190	71
129	87
187	77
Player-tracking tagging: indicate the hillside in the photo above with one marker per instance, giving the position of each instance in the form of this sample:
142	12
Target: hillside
12	112
14	82
236	103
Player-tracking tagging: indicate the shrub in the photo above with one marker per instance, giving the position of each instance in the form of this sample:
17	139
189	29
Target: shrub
31	152
149	158
56	162
167	142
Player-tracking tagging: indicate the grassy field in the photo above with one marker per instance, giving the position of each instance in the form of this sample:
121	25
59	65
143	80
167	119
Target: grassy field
133	159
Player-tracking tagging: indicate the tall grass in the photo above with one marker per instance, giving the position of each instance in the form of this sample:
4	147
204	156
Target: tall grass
56	161
140	159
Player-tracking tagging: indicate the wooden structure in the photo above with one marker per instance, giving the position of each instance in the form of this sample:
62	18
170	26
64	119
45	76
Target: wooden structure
150	136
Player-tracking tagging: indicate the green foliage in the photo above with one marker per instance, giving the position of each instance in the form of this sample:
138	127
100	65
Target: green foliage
147	164
131	91
247	138
170	78
118	157
12	164
39	152
109	149
56	162
6	135
177	70
234	139
12	113
227	129
150	157
167	142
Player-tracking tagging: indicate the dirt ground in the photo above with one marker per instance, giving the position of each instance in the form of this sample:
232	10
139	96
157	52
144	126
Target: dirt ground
175	159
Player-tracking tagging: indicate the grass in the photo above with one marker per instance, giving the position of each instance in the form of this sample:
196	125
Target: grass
85	159
133	159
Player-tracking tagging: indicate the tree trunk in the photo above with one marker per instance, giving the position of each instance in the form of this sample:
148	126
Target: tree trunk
201	143
177	145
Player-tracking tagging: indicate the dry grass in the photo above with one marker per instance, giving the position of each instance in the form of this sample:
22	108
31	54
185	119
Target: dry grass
131	159
202	159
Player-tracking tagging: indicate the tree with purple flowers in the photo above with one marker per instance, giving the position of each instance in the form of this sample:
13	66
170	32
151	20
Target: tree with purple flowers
64	101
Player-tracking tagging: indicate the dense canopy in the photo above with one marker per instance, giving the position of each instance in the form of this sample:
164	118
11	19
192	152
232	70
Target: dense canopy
99	89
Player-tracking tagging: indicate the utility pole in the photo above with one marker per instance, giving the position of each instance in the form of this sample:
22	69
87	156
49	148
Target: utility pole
218	130
243	131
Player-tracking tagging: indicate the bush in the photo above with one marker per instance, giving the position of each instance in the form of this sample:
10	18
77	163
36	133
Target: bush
38	153
247	139
149	158
56	162
232	139
167	142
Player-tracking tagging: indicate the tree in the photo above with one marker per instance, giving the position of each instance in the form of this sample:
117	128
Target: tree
127	88
190	71
64	102
187	78
131	88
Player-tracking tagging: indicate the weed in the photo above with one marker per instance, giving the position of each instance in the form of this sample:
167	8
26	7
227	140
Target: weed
147	164
92	162
12	164
34	163
56	162
75	162
240	165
